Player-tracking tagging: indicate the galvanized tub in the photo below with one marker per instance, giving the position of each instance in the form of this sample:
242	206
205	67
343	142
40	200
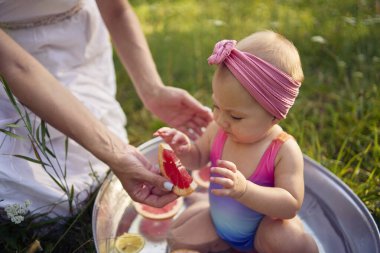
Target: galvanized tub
336	217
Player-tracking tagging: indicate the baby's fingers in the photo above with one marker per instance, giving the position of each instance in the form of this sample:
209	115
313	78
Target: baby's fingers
227	164
166	134
222	192
223	172
162	132
177	140
180	138
223	181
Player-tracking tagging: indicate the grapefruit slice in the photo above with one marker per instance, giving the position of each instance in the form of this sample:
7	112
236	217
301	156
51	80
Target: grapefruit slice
154	213
202	176
172	168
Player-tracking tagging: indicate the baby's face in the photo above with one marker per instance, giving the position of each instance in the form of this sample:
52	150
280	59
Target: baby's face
237	112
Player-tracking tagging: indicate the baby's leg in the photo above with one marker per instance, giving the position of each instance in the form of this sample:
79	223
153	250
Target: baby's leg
196	197
285	236
193	229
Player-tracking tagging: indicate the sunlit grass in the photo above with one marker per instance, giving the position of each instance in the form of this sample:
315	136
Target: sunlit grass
335	118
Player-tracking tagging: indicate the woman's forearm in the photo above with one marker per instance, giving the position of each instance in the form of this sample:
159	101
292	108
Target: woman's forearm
38	90
132	47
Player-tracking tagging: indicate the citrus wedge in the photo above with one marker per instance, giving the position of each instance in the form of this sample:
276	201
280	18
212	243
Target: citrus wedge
162	213
172	168
129	243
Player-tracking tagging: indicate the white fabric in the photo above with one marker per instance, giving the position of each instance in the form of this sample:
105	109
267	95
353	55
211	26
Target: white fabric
15	10
77	51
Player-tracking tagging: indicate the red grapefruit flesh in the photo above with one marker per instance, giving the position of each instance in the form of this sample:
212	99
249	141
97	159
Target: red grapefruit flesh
172	168
202	176
155	213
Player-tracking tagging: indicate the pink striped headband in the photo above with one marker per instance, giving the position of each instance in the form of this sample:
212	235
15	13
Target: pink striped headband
273	89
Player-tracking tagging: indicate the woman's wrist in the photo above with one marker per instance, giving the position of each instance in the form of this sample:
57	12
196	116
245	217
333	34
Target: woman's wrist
108	147
149	93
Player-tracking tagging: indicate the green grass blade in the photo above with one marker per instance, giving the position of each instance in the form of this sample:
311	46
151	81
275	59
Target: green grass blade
10	95
31	160
11	134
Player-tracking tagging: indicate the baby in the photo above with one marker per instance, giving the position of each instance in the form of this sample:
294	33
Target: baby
256	183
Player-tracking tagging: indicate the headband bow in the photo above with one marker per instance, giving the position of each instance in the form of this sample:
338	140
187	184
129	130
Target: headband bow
273	89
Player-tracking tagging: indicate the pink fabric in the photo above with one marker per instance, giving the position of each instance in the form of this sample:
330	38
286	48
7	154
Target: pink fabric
273	89
264	172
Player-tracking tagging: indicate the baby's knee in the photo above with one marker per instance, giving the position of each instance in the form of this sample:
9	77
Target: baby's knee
283	236
196	232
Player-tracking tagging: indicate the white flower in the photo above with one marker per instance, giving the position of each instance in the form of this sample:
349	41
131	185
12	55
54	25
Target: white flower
218	22
17	219
358	74
318	39
342	64
350	20
27	203
16	212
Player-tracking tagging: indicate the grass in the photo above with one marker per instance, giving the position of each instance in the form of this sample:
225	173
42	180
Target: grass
336	116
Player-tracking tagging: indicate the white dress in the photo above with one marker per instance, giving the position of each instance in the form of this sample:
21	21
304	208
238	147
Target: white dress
77	51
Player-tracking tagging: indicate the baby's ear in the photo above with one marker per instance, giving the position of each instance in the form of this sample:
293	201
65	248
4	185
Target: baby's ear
275	120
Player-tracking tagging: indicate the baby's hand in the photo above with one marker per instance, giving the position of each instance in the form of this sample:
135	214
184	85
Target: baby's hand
177	140
233	181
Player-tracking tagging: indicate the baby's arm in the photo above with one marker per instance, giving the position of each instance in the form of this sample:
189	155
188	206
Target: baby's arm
193	155
281	201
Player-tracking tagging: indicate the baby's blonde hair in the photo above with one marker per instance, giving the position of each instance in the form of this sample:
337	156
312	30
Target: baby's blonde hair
275	49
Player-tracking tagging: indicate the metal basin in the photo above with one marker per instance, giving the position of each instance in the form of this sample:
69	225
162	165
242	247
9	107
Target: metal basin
336	217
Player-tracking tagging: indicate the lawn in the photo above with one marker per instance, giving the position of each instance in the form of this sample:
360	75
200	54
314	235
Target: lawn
335	118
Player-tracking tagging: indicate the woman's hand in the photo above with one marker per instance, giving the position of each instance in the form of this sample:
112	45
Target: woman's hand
141	180
177	140
231	179
176	107
180	110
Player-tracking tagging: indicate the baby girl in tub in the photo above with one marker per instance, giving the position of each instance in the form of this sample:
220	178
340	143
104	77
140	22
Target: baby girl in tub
256	183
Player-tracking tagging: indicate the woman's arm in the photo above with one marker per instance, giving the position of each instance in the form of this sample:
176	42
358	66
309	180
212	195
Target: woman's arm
37	89
131	45
174	106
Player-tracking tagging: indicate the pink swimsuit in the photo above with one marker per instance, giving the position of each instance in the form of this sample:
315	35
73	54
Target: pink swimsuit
234	222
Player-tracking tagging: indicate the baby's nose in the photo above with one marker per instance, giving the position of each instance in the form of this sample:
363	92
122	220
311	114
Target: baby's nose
221	121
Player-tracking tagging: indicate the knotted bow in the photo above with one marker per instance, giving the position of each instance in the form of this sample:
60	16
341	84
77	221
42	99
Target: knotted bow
273	89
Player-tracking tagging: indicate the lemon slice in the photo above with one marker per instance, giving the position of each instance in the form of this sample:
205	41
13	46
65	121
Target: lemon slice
129	243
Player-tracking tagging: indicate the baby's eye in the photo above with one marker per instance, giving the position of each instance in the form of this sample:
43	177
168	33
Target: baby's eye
215	107
236	118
